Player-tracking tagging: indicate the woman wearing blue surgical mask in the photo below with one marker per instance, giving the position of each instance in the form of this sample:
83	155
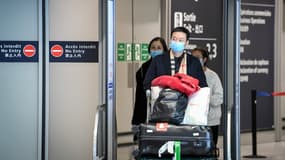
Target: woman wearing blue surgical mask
216	96
157	47
176	60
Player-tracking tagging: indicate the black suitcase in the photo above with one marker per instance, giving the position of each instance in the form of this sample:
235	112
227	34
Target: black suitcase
195	141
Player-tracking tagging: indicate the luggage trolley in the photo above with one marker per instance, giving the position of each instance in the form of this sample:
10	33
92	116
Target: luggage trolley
174	142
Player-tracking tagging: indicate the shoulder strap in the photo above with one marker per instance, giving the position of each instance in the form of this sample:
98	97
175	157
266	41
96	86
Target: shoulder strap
172	64
182	67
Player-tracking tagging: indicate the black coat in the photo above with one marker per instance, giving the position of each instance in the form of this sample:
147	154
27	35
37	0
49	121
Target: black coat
160	65
139	114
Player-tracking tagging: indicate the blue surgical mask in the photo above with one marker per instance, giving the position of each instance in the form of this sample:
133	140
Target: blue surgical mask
177	47
154	53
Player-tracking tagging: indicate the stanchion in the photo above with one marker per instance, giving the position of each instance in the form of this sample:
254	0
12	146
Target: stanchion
253	127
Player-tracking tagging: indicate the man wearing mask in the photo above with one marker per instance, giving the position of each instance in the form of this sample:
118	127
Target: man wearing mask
176	60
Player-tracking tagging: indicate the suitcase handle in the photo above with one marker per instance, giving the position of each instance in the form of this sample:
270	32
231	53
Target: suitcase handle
149	110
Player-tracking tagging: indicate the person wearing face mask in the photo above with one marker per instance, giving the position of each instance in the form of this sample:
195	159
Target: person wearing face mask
157	46
176	60
216	96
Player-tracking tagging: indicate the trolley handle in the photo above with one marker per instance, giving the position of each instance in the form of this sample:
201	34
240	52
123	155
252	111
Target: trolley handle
149	109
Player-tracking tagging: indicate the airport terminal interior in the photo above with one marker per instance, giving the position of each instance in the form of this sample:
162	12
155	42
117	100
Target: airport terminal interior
68	73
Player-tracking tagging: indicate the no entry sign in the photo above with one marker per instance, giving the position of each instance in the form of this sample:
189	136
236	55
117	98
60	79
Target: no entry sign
19	51
56	50
29	50
74	51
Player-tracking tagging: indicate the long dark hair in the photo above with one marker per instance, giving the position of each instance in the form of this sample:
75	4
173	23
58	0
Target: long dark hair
161	40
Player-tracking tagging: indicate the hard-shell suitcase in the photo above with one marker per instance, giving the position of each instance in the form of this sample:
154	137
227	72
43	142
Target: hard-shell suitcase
195	141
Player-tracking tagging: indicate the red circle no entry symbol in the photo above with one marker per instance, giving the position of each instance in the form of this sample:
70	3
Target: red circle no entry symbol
56	50
29	50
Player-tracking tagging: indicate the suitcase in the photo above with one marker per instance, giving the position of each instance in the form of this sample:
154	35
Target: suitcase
195	141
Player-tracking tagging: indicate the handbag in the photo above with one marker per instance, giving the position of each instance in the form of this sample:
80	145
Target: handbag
197	109
169	107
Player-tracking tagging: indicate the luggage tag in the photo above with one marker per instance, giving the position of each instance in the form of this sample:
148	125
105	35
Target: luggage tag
161	127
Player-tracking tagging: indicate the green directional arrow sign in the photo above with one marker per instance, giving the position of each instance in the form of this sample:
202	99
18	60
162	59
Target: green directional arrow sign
121	52
144	52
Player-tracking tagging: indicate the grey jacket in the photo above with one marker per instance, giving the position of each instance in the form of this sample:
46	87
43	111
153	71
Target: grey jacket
216	97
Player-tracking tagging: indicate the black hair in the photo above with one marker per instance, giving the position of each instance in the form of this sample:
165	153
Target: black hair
181	29
161	40
204	52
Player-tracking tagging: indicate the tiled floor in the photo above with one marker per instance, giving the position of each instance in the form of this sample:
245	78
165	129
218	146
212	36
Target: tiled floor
266	147
272	151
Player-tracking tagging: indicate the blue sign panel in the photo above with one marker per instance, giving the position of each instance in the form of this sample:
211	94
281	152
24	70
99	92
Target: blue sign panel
73	51
19	51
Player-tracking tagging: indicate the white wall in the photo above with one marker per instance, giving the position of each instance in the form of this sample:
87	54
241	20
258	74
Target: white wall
19	95
140	27
74	87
